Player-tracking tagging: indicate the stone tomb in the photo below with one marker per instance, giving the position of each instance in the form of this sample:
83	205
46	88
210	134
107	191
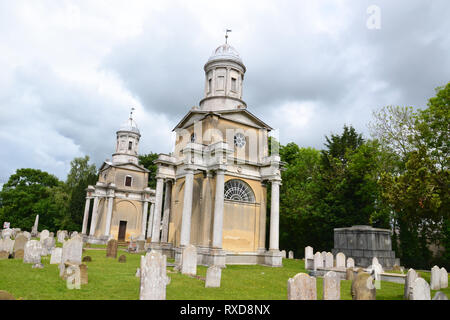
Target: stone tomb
362	243
302	287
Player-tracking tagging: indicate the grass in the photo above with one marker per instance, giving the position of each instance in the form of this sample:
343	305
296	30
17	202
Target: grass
111	280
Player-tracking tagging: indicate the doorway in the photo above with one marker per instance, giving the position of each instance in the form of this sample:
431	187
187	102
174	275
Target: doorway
122	230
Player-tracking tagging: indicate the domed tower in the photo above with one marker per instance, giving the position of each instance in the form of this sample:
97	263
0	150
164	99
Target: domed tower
127	144
224	74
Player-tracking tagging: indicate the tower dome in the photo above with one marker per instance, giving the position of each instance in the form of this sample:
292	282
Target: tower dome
130	125
127	144
225	52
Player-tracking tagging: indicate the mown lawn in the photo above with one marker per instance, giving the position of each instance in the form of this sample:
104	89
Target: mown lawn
111	280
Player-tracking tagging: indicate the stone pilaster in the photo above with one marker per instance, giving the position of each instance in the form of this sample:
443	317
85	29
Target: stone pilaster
166	213
275	216
158	207
185	236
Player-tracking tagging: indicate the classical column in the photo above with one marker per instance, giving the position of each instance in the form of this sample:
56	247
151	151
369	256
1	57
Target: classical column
275	216
109	216
166	213
150	220
144	219
94	216
86	215
218	210
157	213
185	236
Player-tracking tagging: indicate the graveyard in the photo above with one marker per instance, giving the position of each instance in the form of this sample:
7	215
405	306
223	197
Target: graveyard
107	275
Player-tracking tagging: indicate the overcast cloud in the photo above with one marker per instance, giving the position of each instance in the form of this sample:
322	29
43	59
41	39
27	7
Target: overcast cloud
71	70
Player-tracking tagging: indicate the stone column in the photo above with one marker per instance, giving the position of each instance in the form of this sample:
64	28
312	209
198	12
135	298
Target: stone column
94	216
86	215
150	220
185	236
109	216
166	213
157	213
218	210
275	216
144	219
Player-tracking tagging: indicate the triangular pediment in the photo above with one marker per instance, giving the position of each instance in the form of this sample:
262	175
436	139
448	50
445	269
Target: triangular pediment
126	165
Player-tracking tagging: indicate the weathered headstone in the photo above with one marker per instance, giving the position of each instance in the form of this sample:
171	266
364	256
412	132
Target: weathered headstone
111	249
329	260
123	258
435	279
72	251
72	275
83	274
444	278
8	245
363	287
44	235
440	296
302	287
7	233
140	245
189	260
349	274
283	254
411	276
291	254
420	290
318	261
213	276
74	234
350	263
4	255
324	255
309	258
18	254
61	235
340	260
20	242
47	245
32	252
376	270
153	276
331	286
56	256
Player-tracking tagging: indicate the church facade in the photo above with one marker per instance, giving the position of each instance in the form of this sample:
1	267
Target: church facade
211	192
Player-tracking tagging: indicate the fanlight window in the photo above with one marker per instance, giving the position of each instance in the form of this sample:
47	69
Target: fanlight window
238	190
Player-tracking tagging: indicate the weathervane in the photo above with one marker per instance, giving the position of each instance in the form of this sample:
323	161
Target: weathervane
226	34
131	112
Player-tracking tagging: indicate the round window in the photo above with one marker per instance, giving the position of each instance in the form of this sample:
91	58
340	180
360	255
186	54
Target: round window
239	140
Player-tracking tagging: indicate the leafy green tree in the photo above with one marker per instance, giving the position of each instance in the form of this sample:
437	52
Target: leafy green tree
146	161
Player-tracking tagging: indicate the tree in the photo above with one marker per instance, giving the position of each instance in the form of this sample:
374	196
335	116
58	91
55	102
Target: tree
27	193
146	161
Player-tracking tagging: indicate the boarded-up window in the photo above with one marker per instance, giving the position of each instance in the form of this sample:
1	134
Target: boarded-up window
128	181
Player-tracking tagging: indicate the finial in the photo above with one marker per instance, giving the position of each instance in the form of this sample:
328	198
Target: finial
226	35
131	113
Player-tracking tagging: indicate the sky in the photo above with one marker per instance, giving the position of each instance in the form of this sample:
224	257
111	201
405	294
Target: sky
71	70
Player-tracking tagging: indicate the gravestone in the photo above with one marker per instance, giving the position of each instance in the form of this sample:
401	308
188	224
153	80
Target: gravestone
283	254
213	275
72	275
32	252
349	274
189	260
291	254
329	260
331	286
309	258
440	296
140	245
44	235
302	287
72	251
363	287
18	254
4	255
420	290
318	261
324	255
74	234
8	245
435	279
83	274
376	270
111	249
444	278
34	229
87	259
340	260
20	242
47	245
411	276
61	235
56	256
153	278
123	258
7	233
350	263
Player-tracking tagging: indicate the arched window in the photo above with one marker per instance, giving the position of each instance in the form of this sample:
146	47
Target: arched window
238	190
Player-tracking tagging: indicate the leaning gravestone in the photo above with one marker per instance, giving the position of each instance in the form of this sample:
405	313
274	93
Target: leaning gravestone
56	256
444	278
362	287
420	290
20	242
32	252
153	277
440	296
340	260
331	286
189	260
329	260
318	261
435	279
111	249
302	287
72	250
411	276
213	275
